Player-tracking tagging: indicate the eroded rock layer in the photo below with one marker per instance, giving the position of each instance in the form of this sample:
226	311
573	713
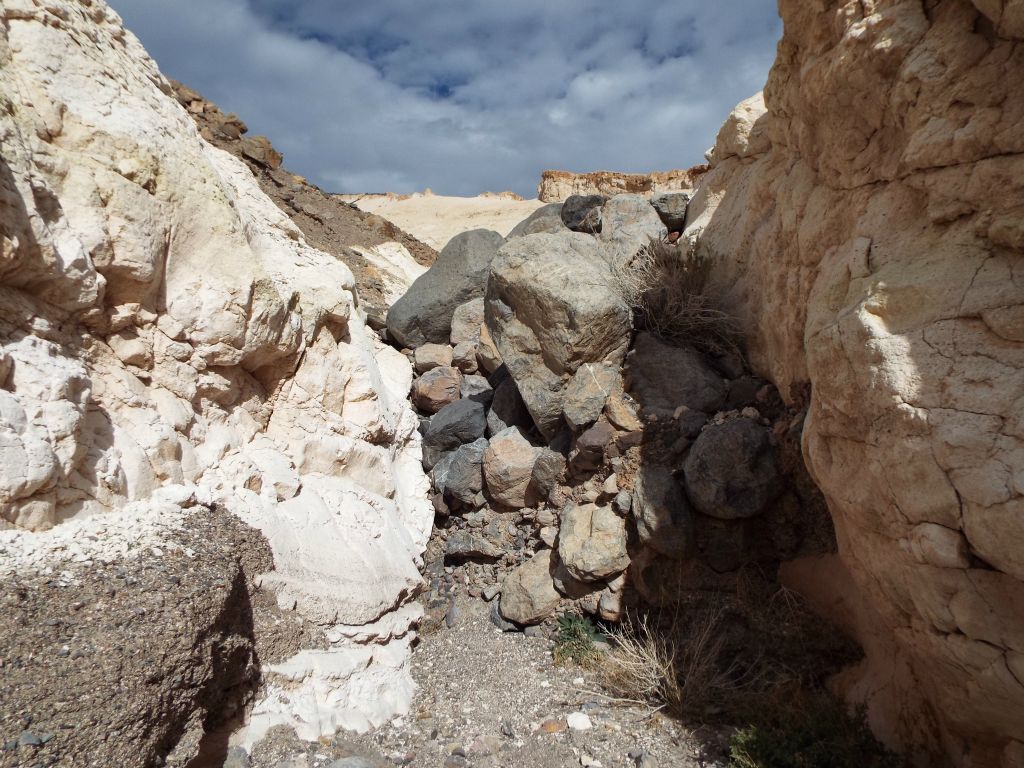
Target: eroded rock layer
866	217
167	336
556	186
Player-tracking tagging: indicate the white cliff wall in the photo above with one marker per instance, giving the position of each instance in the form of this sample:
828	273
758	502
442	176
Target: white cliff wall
164	329
867	217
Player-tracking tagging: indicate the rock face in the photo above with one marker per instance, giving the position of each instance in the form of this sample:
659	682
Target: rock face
551	307
424	313
167	338
384	259
556	186
891	283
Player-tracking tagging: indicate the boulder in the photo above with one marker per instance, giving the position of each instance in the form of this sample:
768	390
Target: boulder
459	474
528	594
478	388
588	391
547	218
547	470
661	511
424	314
487	353
592	542
437	388
628	223
456	424
732	470
465	545
671	209
551	307
662	377
467	320
464	357
508	468
430	356
508	409
590	446
582	213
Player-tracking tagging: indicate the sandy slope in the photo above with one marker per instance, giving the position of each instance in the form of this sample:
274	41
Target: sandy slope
435	219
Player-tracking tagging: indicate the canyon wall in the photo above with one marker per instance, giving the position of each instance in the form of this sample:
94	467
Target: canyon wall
867	215
556	186
170	344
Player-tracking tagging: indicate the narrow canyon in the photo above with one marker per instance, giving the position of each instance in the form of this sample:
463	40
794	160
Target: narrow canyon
291	478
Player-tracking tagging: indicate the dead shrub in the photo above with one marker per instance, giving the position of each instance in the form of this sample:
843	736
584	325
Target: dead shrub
669	287
678	666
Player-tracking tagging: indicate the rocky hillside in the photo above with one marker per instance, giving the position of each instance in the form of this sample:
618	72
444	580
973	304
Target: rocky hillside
170	341
383	258
556	186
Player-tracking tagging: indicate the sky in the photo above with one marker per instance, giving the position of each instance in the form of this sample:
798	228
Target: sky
466	96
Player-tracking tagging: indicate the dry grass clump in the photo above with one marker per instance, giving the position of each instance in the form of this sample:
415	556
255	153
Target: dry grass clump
669	287
678	666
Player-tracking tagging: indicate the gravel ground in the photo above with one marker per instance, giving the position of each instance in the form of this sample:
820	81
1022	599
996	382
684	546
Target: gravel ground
489	699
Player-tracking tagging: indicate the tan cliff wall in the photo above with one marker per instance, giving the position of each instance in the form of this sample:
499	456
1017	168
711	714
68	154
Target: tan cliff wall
868	218
556	186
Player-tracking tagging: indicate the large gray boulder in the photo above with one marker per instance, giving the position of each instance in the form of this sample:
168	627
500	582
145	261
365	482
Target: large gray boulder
732	470
424	313
459	474
671	208
582	213
663	518
545	219
551	307
629	222
662	377
456	424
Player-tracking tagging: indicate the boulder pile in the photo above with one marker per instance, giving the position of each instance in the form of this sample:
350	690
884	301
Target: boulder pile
577	462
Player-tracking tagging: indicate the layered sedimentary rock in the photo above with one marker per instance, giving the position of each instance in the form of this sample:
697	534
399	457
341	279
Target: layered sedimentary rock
167	336
867	218
556	186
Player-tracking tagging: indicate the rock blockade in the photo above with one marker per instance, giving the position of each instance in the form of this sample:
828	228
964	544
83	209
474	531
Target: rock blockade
874	256
582	466
176	359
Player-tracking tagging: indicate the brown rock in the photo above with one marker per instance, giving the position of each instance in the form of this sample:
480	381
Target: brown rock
437	388
430	356
528	594
508	468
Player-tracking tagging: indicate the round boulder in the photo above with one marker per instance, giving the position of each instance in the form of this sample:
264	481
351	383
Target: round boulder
732	471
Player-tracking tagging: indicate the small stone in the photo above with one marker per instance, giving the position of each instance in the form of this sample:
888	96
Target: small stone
455	761
589	762
534	632
579	721
437	388
464	357
430	356
611	485
553	725
623	502
499	621
29	739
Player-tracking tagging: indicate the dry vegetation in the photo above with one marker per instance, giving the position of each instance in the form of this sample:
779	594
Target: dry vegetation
669	287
